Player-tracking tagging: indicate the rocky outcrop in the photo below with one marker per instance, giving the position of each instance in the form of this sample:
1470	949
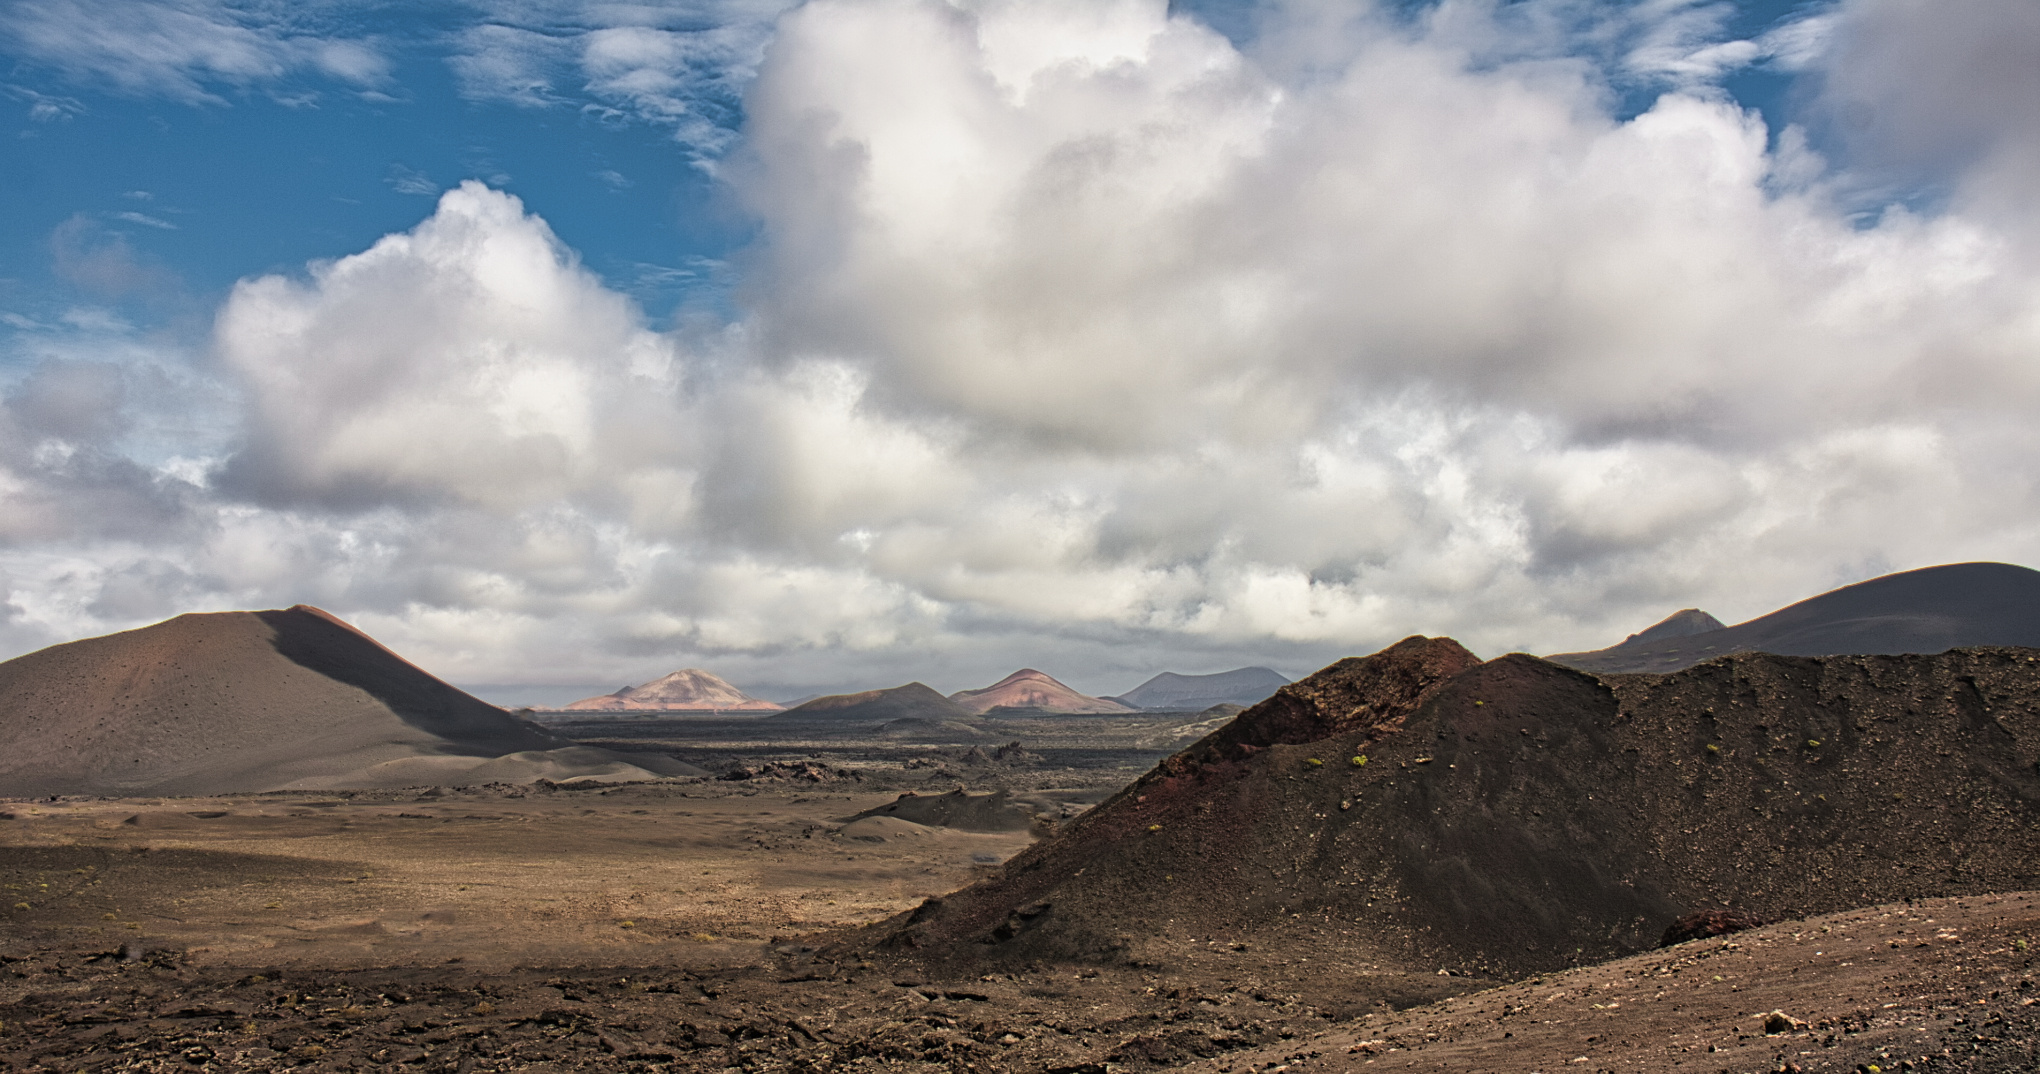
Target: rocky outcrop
1517	816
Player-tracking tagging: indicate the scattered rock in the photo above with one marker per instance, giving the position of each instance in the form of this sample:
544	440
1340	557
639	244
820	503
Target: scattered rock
1012	753
1708	923
1778	1022
801	771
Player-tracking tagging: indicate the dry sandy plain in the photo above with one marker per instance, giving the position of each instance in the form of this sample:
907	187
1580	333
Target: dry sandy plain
644	874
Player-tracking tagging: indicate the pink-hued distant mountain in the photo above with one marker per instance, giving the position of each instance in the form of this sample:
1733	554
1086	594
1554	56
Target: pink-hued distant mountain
686	690
1030	689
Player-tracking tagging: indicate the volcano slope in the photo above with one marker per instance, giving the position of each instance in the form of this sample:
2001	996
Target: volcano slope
248	701
1517	816
1929	610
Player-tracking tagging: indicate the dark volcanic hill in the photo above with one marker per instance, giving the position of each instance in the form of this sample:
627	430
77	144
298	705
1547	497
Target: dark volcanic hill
1680	624
1930	610
914	701
1514	816
231	701
1190	693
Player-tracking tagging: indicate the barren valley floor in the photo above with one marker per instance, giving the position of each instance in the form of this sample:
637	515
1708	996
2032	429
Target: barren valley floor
693	925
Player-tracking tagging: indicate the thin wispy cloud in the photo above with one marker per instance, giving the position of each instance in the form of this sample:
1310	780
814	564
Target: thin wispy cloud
185	50
145	220
102	261
683	67
511	65
407	180
43	107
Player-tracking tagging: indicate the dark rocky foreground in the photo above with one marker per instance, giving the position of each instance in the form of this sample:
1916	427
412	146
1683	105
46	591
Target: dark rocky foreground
1945	985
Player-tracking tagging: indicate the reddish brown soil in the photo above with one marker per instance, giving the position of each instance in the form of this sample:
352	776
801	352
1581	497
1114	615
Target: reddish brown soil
1944	984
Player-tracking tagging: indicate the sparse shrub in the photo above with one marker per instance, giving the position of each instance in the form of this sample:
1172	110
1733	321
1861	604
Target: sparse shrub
1712	748
1154	828
1360	761
1813	743
1314	763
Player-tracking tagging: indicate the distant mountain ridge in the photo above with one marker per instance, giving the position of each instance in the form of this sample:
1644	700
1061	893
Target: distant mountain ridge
912	701
686	690
1929	610
1193	693
1031	689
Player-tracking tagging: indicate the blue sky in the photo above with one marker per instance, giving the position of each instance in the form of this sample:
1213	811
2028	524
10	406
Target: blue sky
840	344
210	176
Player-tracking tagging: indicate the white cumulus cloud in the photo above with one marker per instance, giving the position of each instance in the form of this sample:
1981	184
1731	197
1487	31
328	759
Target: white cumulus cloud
470	360
1077	337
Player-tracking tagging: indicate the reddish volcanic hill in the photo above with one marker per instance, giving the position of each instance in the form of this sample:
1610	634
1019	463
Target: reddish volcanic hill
1515	816
242	701
686	690
1031	689
1930	610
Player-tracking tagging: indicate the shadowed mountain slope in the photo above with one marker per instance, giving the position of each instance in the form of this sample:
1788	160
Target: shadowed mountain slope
231	701
1930	610
1517	816
1682	623
1036	691
914	701
686	690
1189	693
